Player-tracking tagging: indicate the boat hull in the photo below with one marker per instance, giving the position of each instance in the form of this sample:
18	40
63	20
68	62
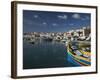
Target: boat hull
78	60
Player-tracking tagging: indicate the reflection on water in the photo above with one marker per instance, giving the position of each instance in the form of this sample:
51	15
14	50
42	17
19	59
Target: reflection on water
45	55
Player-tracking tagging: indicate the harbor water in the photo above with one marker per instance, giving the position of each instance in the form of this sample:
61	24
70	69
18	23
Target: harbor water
45	54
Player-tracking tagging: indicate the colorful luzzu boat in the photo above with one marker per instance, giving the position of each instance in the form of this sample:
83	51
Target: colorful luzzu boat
78	57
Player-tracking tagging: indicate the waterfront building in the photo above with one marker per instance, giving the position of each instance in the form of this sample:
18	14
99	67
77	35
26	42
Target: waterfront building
79	34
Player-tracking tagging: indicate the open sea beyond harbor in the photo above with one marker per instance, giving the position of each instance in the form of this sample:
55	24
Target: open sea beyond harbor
45	54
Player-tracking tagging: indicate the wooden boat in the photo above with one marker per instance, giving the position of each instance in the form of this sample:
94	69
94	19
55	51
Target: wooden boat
78	57
49	39
32	41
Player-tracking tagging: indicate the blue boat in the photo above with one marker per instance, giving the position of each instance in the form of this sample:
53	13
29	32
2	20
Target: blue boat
77	56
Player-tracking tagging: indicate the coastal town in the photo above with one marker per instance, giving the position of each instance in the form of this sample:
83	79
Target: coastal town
82	34
77	43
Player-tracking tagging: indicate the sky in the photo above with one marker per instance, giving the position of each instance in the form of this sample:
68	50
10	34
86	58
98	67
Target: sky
48	21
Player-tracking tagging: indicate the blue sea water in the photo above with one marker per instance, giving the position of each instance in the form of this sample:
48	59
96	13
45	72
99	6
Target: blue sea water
45	55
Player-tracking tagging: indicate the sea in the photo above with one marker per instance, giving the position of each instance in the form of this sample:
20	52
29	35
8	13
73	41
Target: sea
45	54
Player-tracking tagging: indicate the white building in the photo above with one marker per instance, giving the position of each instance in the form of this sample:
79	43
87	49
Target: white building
81	34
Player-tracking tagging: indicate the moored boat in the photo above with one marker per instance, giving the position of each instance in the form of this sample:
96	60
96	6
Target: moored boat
78	56
49	39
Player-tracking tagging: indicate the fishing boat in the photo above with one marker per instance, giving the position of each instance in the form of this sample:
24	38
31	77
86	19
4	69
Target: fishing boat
77	56
32	41
49	39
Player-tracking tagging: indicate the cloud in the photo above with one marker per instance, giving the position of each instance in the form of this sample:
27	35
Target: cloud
44	23
35	16
86	18
83	19
71	24
54	24
62	16
76	16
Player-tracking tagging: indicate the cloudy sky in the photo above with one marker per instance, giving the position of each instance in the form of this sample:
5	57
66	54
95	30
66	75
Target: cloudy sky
43	21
